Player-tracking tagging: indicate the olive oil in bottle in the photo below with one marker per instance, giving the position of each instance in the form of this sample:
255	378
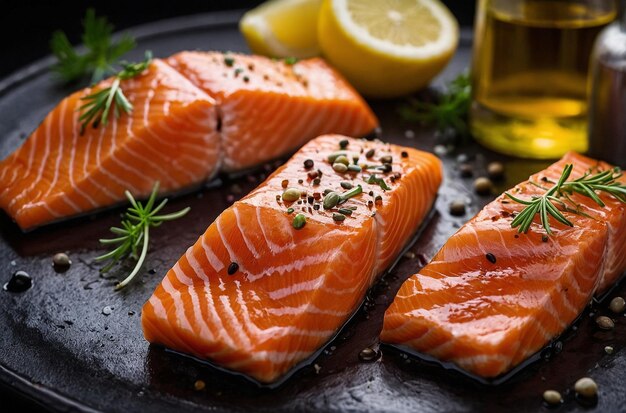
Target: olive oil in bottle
607	101
529	70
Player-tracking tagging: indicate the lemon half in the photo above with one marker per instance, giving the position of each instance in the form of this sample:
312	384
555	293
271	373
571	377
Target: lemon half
387	48
283	28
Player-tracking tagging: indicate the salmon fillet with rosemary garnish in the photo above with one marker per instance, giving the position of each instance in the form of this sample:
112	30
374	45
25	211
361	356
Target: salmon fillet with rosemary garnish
170	136
252	109
278	273
492	297
269	108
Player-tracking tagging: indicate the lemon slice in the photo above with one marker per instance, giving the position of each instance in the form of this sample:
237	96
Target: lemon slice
283	28
387	48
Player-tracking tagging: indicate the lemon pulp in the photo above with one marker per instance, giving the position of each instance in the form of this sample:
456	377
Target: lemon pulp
283	28
387	48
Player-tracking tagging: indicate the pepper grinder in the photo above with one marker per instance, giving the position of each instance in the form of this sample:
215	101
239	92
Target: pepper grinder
607	104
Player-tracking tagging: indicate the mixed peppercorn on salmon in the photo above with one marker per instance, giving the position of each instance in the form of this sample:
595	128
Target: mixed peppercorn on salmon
193	115
170	136
492	297
269	108
280	271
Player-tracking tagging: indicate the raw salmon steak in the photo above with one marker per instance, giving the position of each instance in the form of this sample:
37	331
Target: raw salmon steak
184	128
256	295
492	297
170	136
269	108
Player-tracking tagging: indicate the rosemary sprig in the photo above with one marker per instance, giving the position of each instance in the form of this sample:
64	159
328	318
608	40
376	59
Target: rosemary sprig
450	111
101	55
605	181
97	106
373	179
135	232
587	185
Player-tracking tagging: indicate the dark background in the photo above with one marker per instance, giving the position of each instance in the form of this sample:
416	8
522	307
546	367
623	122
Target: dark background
26	28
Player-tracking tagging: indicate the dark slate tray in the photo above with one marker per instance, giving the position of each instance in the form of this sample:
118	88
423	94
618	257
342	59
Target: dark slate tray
58	349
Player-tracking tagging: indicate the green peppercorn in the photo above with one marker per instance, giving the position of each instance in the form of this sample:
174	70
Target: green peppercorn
345	211
331	200
291	194
342	159
333	156
299	221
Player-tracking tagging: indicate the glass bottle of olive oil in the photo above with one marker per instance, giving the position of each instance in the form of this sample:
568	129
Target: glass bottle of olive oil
529	72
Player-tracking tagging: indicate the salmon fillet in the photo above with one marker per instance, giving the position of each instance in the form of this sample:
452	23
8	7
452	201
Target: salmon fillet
269	108
486	316
177	134
170	136
289	291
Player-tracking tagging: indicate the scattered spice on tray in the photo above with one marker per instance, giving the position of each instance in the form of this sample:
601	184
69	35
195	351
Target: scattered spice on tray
368	354
199	385
617	305
457	207
552	397
483	186
605	323
466	170
495	170
61	262
586	387
20	281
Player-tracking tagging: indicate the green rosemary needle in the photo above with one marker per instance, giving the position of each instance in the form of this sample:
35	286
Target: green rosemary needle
135	232
98	105
373	179
587	185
